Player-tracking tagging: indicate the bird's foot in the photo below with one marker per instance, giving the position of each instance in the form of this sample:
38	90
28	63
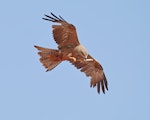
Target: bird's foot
73	58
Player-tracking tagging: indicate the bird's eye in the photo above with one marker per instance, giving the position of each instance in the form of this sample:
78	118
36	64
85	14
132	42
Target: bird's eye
82	53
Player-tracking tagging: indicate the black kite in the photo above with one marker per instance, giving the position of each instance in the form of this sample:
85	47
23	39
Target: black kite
71	50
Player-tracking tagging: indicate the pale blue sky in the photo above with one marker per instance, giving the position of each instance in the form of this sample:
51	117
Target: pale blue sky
116	33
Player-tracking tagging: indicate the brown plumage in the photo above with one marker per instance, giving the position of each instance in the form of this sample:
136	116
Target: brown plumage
71	50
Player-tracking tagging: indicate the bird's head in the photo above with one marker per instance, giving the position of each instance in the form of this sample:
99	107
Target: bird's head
81	52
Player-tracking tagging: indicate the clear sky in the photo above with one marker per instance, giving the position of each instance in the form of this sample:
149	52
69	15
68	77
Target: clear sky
115	32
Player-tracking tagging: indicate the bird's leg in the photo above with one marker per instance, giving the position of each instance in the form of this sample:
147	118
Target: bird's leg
69	57
73	58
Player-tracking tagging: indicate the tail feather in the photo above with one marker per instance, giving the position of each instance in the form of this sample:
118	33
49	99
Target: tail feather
50	58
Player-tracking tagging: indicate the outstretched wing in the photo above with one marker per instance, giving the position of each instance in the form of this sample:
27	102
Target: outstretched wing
64	34
95	70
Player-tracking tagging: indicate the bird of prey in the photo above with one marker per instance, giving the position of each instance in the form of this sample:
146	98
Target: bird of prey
70	49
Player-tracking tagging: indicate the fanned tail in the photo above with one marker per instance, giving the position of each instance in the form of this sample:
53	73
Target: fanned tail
50	58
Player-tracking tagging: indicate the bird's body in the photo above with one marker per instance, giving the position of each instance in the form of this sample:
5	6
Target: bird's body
71	50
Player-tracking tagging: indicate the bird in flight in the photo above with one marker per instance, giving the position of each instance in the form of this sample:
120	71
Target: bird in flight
70	49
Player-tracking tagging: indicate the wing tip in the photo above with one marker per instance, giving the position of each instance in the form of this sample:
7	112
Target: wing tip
101	85
54	18
37	47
